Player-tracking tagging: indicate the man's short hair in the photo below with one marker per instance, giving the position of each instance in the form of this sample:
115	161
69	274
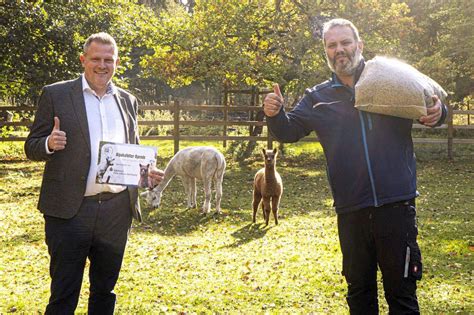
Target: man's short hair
340	22
102	38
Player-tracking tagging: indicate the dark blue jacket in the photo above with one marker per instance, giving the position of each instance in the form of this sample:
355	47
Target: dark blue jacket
370	158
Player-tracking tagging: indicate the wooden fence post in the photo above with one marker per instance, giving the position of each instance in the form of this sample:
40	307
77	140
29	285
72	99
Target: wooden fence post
269	140
450	131
226	118
468	115
176	126
253	102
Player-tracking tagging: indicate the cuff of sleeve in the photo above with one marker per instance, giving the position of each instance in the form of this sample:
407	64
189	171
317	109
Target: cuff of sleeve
48	151
444	113
281	112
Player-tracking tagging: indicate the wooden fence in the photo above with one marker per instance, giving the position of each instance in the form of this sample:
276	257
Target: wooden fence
254	124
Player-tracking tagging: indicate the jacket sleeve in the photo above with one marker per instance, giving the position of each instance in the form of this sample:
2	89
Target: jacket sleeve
35	144
292	126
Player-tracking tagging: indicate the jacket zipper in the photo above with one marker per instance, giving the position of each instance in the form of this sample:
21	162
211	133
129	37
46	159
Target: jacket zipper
366	149
367	157
369	120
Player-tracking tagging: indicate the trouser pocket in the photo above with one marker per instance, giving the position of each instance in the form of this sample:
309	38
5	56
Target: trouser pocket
413	261
413	265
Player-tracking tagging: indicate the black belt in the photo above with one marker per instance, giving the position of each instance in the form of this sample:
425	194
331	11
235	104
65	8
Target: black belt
103	196
410	202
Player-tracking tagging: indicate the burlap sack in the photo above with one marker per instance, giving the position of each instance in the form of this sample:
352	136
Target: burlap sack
391	87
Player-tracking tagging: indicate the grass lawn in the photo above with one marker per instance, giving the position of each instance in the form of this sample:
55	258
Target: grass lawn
179	261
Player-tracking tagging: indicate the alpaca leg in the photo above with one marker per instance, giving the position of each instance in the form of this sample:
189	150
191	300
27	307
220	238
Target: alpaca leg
218	186
275	205
218	179
188	190
207	191
192	185
266	209
257	197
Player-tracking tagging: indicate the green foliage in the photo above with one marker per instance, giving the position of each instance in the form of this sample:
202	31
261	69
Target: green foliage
228	43
225	43
256	43
42	40
442	43
179	261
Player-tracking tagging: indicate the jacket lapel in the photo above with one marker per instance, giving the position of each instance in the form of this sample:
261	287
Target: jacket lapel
79	107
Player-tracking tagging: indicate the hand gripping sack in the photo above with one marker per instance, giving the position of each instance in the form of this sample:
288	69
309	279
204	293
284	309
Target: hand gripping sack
391	87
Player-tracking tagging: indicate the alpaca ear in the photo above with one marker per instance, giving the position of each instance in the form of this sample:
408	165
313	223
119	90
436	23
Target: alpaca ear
264	151
275	151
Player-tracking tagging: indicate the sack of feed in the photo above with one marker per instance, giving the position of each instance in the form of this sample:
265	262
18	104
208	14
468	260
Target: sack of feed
391	87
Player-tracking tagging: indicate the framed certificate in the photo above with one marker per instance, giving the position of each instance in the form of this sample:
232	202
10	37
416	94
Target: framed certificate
125	164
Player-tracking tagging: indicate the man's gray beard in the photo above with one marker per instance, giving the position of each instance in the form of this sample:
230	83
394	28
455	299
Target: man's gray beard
350	68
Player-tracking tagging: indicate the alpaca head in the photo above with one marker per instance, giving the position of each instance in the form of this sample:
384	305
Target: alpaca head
152	197
270	157
144	169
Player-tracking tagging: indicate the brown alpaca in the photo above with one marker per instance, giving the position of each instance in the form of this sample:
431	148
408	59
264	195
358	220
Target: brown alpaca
267	187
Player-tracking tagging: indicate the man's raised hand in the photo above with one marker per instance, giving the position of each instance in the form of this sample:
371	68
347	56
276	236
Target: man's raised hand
57	138
273	102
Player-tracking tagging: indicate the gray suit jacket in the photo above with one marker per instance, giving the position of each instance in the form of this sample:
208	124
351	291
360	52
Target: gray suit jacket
65	172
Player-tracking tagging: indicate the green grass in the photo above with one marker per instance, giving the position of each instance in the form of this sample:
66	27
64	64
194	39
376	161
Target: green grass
180	261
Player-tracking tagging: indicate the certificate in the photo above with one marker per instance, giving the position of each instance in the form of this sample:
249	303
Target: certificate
124	164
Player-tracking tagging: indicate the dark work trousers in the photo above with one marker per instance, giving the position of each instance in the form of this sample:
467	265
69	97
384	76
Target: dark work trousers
381	236
99	232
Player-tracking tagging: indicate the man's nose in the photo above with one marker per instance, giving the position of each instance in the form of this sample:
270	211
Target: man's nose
339	48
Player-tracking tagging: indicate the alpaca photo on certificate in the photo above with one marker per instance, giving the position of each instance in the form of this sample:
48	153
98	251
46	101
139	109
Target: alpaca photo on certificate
143	181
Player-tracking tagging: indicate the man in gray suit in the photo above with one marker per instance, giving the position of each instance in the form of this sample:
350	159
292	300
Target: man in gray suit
84	219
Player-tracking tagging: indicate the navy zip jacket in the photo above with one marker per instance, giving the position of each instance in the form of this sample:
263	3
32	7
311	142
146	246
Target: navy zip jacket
370	158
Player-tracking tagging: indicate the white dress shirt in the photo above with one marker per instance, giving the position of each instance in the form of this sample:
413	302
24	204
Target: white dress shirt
105	124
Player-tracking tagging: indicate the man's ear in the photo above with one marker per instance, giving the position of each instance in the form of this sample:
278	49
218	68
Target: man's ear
360	44
82	58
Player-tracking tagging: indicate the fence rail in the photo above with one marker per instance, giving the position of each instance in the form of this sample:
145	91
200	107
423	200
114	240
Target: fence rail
252	121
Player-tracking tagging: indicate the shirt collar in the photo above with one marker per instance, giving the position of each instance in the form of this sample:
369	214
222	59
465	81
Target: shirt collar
111	88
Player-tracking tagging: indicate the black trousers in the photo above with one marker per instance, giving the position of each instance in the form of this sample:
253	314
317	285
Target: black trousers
99	232
384	237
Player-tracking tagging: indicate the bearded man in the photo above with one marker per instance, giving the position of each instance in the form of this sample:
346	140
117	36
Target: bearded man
372	173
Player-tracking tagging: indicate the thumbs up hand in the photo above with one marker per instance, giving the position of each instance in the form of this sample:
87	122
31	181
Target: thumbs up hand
57	138
273	102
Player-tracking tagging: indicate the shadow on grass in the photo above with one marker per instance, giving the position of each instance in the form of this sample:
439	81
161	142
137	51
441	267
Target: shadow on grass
13	160
248	233
302	187
21	239
177	222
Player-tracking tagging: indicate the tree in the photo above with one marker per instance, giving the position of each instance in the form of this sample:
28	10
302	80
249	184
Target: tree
263	41
442	43
42	40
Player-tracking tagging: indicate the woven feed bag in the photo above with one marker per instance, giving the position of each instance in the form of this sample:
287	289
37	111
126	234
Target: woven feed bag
391	87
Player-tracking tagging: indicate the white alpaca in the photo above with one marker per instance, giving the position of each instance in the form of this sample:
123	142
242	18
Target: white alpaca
203	163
